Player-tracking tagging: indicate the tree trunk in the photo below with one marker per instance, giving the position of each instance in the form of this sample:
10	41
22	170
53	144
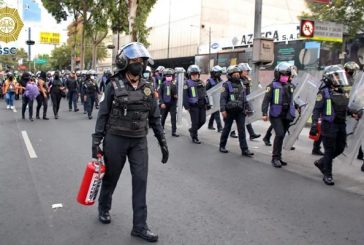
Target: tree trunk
133	5
94	55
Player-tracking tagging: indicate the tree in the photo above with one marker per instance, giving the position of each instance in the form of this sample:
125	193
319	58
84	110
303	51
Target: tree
139	30
12	61
349	13
61	57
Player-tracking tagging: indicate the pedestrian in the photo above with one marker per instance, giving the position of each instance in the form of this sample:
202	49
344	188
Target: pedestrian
233	107
10	89
195	101
57	92
30	93
127	108
90	92
168	96
279	100
331	106
42	98
72	87
244	76
212	81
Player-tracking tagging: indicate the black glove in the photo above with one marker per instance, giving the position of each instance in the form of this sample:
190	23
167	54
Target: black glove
313	131
96	141
164	148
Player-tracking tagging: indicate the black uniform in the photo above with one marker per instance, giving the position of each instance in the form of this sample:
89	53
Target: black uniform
123	124
333	126
280	120
56	95
90	91
168	96
216	115
72	86
233	101
197	109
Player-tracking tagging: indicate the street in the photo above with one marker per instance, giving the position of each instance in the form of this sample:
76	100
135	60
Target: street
199	197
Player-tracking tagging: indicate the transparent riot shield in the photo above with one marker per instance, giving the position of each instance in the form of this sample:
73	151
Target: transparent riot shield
255	100
305	97
180	78
354	128
214	98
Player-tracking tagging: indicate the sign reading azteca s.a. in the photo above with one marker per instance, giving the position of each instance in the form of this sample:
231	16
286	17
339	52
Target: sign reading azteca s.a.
10	27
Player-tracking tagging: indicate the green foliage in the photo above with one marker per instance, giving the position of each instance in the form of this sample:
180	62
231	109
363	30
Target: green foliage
118	14
347	12
139	29
61	57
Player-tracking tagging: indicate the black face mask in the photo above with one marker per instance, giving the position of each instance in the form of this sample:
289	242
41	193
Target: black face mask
234	79
56	77
135	69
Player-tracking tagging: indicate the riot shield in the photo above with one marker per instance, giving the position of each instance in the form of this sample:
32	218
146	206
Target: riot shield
214	98
354	128
305	96
255	100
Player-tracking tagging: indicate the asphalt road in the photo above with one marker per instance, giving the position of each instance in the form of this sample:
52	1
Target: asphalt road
199	197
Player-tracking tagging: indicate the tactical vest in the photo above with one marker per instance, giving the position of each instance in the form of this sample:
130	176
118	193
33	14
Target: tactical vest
276	104
167	93
130	110
192	92
236	97
335	106
91	86
158	82
212	81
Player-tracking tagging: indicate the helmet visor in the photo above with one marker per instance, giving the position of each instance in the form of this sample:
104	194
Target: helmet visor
136	50
338	79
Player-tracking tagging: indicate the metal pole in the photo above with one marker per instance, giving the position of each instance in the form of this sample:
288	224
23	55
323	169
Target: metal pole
209	49
257	34
180	75
29	49
169	29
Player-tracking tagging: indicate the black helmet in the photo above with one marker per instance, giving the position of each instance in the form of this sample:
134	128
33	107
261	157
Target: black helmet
283	68
231	70
335	76
168	71
129	51
193	69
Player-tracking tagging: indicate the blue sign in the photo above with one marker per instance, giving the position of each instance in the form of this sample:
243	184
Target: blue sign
31	11
215	46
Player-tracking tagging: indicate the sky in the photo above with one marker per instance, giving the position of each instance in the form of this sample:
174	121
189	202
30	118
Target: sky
35	16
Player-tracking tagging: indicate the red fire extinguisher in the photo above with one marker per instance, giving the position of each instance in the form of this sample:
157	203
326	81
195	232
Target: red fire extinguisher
91	181
317	136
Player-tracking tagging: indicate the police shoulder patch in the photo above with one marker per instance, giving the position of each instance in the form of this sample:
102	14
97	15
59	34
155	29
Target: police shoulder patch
222	89
147	91
267	89
319	97
185	87
291	90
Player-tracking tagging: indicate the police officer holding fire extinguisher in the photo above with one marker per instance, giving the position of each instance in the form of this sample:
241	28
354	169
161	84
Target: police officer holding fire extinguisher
128	105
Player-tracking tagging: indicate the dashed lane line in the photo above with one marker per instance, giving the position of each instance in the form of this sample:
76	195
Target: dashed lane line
29	145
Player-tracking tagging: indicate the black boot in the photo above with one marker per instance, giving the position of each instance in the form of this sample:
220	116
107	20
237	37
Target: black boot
223	150
276	163
319	166
145	234
267	142
247	153
233	134
328	180
196	140
362	167
104	217
317	152
283	163
254	136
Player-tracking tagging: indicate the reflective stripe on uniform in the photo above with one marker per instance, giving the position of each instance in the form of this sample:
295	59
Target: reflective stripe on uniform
328	107
276	96
193	91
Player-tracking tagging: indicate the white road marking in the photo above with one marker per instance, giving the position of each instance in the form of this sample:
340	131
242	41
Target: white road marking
29	145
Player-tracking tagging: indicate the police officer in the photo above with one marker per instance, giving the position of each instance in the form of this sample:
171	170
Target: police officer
72	86
331	106
212	81
350	69
42	98
104	80
126	109
195	101
158	76
90	91
168	99
147	75
279	99
244	76
233	107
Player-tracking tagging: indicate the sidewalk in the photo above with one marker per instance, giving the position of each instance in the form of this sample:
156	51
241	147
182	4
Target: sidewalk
300	161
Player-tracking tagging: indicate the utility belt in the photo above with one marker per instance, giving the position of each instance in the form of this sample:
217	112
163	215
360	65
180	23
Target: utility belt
235	106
